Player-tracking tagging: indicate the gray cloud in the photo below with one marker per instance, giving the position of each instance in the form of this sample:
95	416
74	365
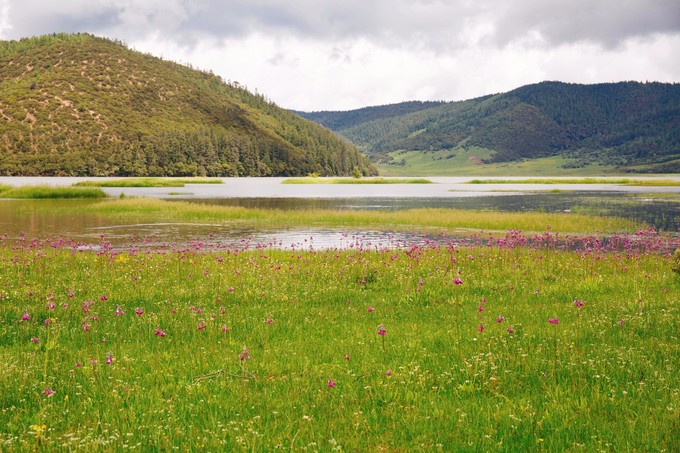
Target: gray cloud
439	25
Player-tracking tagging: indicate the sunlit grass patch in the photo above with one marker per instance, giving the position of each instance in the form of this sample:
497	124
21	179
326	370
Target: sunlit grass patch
409	219
148	182
41	192
377	180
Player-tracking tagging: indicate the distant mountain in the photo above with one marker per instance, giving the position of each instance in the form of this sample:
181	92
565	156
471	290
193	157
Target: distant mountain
83	105
633	126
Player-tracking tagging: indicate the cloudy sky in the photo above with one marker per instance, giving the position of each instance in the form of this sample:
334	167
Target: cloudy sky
344	54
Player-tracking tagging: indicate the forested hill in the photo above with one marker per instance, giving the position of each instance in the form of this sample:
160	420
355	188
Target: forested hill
634	126
83	105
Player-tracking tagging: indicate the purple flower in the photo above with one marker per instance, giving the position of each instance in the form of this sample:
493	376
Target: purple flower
109	358
371	309
331	383
119	311
510	330
388	373
381	331
578	303
500	319
25	316
553	321
35	340
245	355
159	333
48	392
139	311
457	281
481	328
201	325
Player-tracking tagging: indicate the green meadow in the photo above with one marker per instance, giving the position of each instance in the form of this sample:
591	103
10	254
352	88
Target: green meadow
547	341
148	182
376	180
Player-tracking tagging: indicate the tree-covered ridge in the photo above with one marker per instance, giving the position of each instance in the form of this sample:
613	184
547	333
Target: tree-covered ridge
83	105
635	126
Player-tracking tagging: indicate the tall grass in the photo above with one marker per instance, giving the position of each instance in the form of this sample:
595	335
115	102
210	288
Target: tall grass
412	219
41	192
482	348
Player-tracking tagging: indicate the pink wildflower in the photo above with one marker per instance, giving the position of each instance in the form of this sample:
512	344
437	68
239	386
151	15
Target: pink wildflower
500	319
159	333
381	331
270	321
578	303
245	355
553	321
48	392
331	383
85	327
510	330
388	373
139	311
109	358
119	311
26	316
371	309
480	308
35	340
457	281
481	328
201	325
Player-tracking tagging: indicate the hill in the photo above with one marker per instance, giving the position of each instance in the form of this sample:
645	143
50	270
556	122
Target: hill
628	126
84	105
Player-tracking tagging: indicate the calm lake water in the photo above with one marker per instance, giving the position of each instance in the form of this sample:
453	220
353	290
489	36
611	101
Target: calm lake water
657	206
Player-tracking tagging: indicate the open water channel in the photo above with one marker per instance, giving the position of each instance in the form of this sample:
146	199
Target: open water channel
656	206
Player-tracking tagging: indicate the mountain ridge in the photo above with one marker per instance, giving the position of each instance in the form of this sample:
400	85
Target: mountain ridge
631	126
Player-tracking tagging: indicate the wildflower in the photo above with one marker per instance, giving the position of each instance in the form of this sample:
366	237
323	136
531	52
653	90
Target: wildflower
245	355
119	311
510	330
109	358
48	391
270	321
78	364
47	321
201	325
25	316
224	329
480	308
500	319
85	327
381	330
371	309
578	303
553	321
139	311
388	373
621	322
481	328
50	306
331	383
457	281
70	294
159	333
347	357
35	340
103	298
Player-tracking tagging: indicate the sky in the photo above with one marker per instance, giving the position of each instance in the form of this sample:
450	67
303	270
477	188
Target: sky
345	54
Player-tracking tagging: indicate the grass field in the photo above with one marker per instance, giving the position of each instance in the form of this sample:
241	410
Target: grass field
612	180
43	192
316	180
467	162
502	347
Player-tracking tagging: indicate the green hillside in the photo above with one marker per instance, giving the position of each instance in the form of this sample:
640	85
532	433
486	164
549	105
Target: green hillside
83	105
627	127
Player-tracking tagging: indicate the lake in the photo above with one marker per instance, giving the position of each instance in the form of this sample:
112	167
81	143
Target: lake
657	206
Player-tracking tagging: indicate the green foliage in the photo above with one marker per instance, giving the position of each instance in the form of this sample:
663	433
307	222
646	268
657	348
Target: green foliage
79	105
632	126
356	180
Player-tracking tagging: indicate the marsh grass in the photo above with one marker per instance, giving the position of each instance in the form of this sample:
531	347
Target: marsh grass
377	180
42	192
149	182
411	219
617	181
468	366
